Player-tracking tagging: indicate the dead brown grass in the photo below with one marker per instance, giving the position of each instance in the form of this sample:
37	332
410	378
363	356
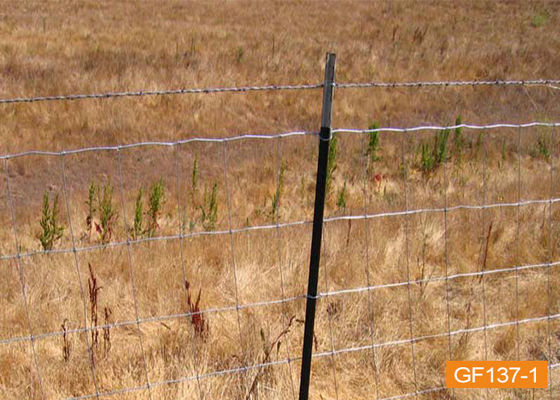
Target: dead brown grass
67	47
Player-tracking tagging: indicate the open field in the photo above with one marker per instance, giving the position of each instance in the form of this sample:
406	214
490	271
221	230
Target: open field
91	46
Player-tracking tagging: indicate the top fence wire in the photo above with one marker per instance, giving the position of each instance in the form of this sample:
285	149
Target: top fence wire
140	93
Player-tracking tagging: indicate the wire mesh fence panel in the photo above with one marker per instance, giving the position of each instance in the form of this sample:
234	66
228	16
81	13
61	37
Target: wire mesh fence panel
158	270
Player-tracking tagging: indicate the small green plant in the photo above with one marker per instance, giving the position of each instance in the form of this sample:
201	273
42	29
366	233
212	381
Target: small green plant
331	160
542	147
240	54
427	161
440	146
432	158
341	201
90	203
137	228
210	209
155	203
458	139
278	193
373	143
540	19
51	228
107	213
478	144
194	182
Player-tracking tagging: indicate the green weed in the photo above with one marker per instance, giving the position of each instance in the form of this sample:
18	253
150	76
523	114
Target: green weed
542	147
458	139
108	214
194	182
210	209
427	161
331	163
373	143
432	158
155	204
51	228
137	228
341	201
540	19
91	205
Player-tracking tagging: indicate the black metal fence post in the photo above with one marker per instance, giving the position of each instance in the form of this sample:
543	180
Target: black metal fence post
324	141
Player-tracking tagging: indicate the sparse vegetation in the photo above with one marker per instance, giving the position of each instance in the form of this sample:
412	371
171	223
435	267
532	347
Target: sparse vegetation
341	201
194	181
51	229
107	213
210	209
138	225
93	53
427	160
458	139
540	19
240	53
155	204
432	158
91	207
478	145
373	143
542	147
440	147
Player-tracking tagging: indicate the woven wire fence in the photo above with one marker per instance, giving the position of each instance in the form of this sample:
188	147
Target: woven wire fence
23	259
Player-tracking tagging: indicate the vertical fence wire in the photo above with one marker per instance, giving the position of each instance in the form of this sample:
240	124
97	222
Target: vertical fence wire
132	280
196	359
91	354
407	255
518	245
484	246
285	317
550	258
371	309
233	266
446	259
22	279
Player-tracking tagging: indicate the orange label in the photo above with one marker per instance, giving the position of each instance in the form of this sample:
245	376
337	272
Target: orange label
496	374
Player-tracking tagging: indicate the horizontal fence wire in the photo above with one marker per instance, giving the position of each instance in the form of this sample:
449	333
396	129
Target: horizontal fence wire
275	136
458	126
306	86
419	84
328	354
141	93
156	143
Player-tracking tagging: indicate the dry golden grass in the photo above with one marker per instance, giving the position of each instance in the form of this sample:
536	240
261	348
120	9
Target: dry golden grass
69	47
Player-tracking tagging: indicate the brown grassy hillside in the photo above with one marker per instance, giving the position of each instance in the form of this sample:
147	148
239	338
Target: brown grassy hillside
64	47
